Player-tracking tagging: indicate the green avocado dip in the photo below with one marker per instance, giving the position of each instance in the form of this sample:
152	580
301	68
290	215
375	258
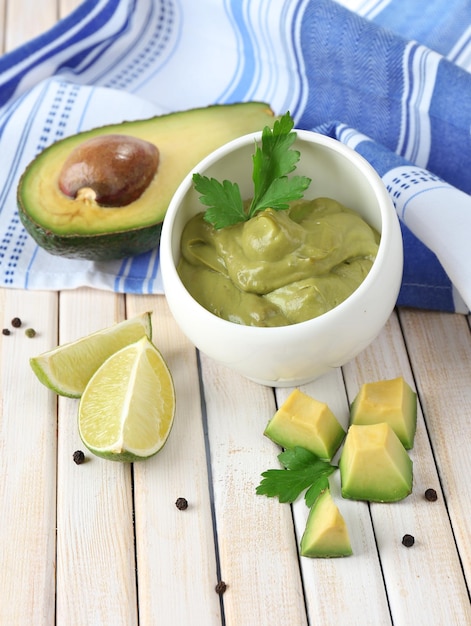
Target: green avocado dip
279	267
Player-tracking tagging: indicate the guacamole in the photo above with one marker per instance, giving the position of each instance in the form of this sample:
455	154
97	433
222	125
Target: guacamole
280	267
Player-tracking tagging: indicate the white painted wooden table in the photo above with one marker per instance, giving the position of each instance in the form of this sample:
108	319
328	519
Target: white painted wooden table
104	544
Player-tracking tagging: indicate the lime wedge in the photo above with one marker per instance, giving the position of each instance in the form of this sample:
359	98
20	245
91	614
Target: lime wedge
127	409
68	368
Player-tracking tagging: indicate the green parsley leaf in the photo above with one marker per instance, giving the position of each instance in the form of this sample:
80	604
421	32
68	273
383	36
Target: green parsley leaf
303	471
272	162
223	199
316	489
271	165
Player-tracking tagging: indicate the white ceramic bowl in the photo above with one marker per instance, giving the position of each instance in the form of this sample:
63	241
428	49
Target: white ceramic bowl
295	354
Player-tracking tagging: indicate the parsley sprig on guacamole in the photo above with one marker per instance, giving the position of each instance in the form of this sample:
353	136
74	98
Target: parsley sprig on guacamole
272	162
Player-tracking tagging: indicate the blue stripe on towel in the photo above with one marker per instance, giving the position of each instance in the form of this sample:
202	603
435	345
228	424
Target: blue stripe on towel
243	76
47	47
438	24
355	75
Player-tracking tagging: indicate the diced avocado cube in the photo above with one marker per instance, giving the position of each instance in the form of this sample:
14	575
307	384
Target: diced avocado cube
326	533
306	422
374	465
392	401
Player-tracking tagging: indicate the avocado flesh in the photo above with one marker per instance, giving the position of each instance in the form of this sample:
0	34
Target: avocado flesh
374	465
75	229
326	534
392	401
306	422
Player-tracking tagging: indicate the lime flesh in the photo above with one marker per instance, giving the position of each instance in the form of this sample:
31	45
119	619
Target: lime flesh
127	409
68	368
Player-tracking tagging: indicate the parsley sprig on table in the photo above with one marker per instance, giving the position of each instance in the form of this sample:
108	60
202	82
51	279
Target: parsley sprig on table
304	471
272	162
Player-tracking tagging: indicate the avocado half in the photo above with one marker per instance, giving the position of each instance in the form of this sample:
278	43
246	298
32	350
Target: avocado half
71	228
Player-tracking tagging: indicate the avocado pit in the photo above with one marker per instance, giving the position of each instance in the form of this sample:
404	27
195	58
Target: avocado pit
111	170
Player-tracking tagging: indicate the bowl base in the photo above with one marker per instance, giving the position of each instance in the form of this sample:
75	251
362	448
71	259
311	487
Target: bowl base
288	382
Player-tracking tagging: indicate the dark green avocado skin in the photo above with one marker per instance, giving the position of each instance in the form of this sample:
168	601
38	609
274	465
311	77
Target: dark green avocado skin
101	247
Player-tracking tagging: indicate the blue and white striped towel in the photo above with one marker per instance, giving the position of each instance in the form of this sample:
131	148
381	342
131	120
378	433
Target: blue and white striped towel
391	78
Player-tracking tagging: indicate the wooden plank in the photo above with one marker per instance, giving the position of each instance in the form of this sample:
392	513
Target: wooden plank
2	26
424	586
28	421
26	19
349	590
439	346
96	582
67	6
257	546
27	463
176	557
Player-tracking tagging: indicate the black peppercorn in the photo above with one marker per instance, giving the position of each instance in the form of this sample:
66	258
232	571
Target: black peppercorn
79	457
408	541
221	587
181	504
16	322
431	495
5	331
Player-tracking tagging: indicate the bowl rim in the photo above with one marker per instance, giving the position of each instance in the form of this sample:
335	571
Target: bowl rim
389	220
